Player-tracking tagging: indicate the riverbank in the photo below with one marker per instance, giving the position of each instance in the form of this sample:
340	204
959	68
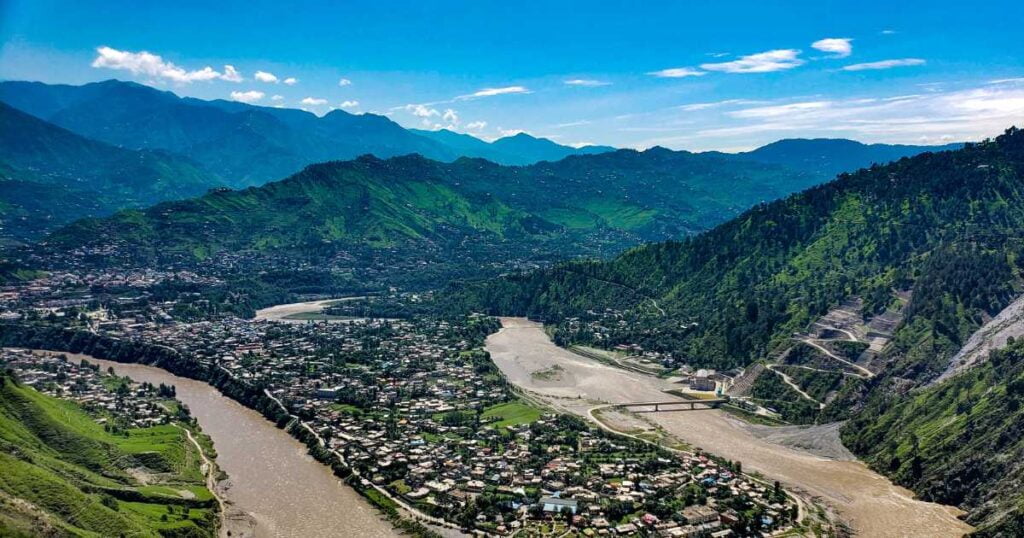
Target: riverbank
868	502
222	383
261	458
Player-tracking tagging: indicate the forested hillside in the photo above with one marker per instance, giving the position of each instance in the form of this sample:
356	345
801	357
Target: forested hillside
592	205
749	283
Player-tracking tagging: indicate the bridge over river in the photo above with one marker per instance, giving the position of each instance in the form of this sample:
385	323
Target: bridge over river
673	405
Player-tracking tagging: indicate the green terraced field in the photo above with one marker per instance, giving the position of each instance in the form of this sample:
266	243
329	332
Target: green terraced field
64	475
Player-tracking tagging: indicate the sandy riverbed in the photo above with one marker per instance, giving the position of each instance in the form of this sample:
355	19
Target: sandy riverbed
868	502
282	311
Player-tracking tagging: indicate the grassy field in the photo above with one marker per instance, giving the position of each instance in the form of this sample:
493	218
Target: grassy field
63	473
511	413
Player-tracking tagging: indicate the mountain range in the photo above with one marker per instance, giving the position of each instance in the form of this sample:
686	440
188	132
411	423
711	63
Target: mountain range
830	156
518	149
158	146
245	144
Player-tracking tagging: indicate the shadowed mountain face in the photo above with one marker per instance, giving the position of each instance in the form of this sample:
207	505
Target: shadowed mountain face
50	176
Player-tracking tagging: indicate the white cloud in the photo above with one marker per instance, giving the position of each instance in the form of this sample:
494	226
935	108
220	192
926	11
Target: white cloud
277	98
291	81
677	72
590	83
451	117
344	82
231	74
840	47
762	62
570	124
476	125
421	111
779	110
693	107
349	104
250	96
928	118
490	92
264	76
969	114
884	64
153	65
314	101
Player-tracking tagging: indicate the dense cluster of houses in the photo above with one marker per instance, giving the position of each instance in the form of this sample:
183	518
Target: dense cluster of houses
116	402
417	408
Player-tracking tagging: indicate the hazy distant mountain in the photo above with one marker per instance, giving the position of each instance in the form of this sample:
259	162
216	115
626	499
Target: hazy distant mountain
519	149
830	156
246	144
50	176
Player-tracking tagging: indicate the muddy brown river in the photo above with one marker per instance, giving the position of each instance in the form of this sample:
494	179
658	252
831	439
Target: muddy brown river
271	477
871	504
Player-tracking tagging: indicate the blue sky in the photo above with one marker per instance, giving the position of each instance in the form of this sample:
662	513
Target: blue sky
686	75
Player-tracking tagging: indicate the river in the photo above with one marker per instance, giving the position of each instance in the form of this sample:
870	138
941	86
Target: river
286	491
868	502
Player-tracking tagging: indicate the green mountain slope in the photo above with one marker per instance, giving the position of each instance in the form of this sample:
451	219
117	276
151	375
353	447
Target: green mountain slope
960	442
63	475
589	205
364	203
51	176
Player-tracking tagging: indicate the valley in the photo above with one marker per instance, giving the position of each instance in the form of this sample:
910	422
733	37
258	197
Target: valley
517	271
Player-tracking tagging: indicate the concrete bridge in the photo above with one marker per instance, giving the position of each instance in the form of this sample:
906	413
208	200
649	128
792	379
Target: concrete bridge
673	405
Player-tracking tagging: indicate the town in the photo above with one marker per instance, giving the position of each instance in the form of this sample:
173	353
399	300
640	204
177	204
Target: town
416	410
